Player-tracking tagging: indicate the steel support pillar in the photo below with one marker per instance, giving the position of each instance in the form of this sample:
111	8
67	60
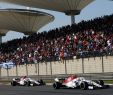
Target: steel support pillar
72	19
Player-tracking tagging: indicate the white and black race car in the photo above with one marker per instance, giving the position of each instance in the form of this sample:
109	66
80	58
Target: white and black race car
25	81
78	82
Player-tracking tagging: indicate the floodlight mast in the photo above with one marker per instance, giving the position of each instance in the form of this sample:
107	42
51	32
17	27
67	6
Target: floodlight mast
72	13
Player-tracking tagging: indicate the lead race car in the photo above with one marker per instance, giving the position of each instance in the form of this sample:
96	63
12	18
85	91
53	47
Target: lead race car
26	81
78	82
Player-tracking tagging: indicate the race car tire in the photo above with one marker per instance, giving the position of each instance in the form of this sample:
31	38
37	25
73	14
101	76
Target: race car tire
41	82
56	85
101	82
84	85
13	83
28	83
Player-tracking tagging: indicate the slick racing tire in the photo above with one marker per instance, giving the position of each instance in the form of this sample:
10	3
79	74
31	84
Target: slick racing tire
56	85
84	85
28	83
100	82
13	83
41	82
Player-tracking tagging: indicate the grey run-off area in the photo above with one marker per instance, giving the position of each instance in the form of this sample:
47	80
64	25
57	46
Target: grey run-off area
48	90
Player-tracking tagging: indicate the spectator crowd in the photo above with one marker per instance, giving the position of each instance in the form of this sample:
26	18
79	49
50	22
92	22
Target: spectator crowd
86	39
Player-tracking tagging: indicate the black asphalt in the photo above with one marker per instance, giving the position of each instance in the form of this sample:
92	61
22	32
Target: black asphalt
48	90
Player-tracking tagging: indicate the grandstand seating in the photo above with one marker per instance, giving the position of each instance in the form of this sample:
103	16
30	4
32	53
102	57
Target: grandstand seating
85	39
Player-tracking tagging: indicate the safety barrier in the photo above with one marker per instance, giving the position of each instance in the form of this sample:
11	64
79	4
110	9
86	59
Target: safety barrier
76	66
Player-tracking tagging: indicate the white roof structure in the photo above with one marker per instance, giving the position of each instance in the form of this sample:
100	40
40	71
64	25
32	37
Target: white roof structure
55	5
23	20
69	7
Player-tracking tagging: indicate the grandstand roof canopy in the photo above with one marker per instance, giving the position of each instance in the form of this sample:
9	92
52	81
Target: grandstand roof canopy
70	7
23	20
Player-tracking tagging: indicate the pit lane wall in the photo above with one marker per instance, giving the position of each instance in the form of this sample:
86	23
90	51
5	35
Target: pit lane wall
75	66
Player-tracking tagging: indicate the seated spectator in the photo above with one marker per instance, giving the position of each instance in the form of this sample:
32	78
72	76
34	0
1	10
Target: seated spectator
85	39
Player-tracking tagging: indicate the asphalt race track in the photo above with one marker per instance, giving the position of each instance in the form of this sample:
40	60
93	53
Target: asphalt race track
48	90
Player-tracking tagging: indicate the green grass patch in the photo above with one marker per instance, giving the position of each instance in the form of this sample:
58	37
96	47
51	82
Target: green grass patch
108	81
5	81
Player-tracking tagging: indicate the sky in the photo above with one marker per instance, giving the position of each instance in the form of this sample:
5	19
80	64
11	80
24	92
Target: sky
97	8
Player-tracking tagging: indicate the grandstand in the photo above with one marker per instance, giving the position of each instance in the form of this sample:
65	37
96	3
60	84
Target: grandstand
85	39
85	47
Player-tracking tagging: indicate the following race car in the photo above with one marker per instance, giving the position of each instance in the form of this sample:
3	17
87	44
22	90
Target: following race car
78	82
25	81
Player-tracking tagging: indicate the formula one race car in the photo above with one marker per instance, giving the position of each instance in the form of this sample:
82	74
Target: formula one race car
25	81
78	82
